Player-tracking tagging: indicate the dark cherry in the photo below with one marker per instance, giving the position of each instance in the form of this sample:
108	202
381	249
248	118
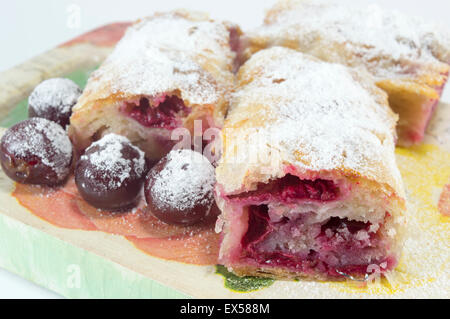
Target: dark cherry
36	151
110	174
165	115
179	188
54	99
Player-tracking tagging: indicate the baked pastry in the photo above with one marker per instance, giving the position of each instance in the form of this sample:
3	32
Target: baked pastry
409	58
308	184
168	70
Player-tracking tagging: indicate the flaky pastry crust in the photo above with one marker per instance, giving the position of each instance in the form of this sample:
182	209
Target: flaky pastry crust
408	57
179	53
294	114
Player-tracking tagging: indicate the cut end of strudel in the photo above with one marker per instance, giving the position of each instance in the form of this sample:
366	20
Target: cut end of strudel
168	70
408	57
308	184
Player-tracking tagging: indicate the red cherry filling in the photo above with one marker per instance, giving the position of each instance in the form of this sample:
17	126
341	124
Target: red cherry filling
110	174
179	189
291	188
336	238
165	115
336	223
236	46
36	151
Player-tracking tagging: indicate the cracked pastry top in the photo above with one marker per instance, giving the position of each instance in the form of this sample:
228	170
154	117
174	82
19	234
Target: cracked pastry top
408	56
167	71
308	184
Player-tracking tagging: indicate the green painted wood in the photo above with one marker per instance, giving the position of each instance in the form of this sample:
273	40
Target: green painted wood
68	270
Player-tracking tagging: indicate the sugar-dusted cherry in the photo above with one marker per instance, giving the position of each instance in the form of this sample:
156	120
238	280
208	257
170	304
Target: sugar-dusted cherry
54	99
36	151
179	188
110	174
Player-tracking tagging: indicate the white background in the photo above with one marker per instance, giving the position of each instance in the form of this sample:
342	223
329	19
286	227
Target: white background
29	27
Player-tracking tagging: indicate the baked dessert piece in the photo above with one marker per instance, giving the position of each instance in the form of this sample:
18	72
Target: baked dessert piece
168	70
307	183
409	58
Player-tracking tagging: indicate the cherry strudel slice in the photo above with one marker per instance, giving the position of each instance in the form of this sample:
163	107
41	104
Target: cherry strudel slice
308	183
408	57
168	70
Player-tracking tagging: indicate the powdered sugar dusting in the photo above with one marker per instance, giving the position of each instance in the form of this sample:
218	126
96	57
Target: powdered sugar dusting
56	93
186	180
169	52
310	114
108	160
387	43
33	138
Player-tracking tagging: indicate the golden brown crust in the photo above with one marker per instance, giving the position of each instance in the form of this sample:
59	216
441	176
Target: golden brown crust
278	273
408	99
258	105
176	53
406	55
294	114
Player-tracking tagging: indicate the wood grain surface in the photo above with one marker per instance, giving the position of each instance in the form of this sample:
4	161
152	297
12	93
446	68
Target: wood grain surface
101	255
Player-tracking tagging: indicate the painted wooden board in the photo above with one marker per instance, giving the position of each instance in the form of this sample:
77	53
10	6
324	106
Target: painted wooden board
78	263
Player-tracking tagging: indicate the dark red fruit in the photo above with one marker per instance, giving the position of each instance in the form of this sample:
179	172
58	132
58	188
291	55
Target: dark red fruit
36	151
164	115
54	99
110	174
291	188
179	189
